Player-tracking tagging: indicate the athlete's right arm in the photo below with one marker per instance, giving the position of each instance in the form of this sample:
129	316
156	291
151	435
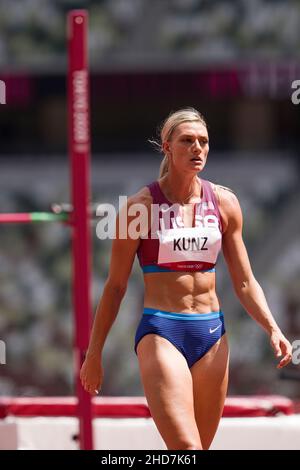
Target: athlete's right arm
122	258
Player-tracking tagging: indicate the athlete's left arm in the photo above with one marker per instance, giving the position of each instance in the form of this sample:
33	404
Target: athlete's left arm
247	289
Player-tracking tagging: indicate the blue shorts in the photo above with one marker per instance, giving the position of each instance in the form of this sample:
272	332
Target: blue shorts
193	334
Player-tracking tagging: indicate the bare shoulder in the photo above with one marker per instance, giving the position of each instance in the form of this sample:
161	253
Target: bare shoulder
134	202
225	196
136	207
228	204
143	196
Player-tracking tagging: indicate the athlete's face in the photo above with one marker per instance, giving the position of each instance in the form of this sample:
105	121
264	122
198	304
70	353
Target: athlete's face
188	147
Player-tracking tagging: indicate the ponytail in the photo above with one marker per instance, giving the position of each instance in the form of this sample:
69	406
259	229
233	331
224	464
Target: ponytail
164	166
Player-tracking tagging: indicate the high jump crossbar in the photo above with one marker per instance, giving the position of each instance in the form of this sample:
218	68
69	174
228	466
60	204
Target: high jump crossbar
79	217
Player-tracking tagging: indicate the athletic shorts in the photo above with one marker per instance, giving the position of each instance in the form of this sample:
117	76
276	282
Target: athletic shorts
193	334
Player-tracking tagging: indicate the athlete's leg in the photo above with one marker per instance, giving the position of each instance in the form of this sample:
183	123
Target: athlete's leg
168	388
210	380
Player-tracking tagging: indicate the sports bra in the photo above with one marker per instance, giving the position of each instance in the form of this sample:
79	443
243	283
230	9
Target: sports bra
169	246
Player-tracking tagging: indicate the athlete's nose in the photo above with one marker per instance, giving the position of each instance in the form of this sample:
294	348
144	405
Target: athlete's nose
197	146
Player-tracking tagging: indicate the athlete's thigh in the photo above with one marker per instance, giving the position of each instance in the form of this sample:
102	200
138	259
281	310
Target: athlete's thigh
168	388
210	380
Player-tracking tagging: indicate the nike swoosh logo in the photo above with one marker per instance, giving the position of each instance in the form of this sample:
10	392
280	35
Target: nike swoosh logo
212	330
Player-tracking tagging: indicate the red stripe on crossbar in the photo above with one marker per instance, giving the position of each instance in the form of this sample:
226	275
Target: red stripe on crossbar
22	217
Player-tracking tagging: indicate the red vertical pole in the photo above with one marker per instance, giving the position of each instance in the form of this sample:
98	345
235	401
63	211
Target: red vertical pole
79	150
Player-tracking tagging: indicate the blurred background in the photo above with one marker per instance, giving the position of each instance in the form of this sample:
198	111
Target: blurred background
235	62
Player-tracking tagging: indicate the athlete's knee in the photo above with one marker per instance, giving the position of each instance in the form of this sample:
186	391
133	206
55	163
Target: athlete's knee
193	447
186	444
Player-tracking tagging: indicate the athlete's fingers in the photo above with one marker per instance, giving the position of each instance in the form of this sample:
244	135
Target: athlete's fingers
92	387
85	385
286	348
285	361
278	351
89	388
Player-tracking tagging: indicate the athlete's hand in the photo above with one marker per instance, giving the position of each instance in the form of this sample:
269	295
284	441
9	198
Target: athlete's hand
91	374
282	347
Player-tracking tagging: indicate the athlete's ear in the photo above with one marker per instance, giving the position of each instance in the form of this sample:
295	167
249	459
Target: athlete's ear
166	147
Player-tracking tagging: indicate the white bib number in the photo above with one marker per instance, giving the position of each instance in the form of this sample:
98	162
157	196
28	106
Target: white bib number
194	244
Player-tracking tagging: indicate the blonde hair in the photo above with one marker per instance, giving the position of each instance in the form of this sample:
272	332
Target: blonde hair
167	128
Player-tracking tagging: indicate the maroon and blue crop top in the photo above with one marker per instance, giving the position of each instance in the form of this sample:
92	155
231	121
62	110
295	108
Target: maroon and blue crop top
169	246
